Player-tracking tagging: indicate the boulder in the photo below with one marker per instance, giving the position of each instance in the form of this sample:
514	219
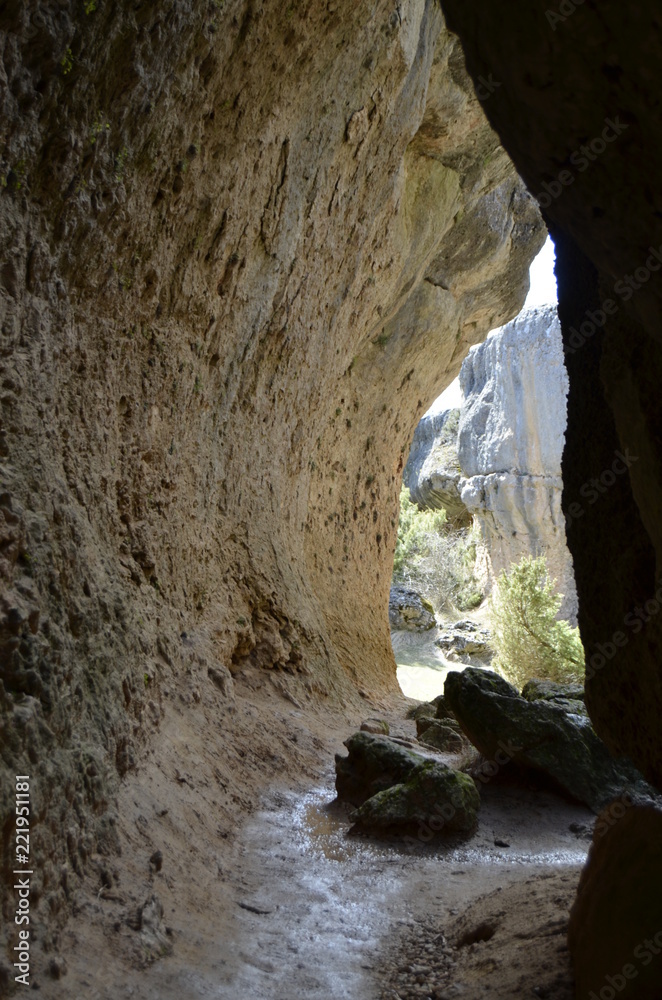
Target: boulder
379	726
539	736
374	763
434	794
442	708
464	638
425	710
426	721
569	697
510	442
442	737
409	610
615	929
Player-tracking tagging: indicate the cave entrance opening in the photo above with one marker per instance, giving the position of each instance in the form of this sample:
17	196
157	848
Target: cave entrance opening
482	492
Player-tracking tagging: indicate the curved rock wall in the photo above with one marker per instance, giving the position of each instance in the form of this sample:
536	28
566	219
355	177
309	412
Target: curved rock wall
510	443
245	245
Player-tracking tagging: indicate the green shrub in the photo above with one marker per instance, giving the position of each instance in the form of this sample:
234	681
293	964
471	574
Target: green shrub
435	558
527	638
415	529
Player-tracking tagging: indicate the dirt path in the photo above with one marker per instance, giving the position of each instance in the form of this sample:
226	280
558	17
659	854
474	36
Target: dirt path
321	915
286	906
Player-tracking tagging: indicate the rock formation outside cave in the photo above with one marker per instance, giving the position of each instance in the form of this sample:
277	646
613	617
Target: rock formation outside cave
493	466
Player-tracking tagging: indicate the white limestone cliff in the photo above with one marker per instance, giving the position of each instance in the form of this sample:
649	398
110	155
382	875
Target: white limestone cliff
510	443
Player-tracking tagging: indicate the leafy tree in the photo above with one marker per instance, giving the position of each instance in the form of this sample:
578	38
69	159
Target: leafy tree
528	640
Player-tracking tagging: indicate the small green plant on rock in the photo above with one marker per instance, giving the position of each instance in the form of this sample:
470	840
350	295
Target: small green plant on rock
120	163
98	127
528	639
67	62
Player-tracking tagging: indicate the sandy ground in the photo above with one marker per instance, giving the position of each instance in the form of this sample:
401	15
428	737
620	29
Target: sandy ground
264	894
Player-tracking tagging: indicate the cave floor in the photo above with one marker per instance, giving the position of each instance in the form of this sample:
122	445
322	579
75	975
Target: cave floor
350	917
265	895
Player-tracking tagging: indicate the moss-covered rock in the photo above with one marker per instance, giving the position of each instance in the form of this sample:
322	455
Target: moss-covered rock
436	795
540	736
374	763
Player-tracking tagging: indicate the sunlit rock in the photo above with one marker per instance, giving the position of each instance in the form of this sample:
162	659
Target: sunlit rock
510	443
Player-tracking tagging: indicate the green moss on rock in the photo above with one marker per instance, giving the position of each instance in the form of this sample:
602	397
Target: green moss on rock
445	800
374	764
539	736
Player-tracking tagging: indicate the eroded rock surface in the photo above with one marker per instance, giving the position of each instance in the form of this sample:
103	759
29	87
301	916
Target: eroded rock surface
567	78
616	922
510	442
245	245
432	473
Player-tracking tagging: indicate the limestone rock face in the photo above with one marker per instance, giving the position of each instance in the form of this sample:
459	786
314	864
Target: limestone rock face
432	473
510	443
560	80
244	247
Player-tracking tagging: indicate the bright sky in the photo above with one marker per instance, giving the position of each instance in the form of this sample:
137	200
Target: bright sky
543	282
542	292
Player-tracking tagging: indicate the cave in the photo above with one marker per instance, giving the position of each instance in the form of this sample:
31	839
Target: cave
245	246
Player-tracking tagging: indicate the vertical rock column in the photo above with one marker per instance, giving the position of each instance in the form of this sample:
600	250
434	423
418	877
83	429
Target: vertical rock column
510	443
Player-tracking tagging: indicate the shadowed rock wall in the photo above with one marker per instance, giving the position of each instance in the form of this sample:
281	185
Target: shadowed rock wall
245	245
574	97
